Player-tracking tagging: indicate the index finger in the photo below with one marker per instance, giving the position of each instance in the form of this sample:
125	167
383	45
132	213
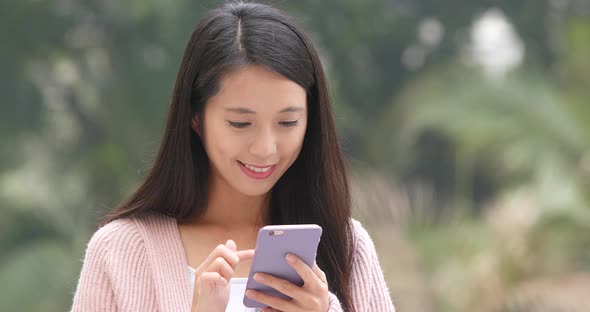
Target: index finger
221	251
245	254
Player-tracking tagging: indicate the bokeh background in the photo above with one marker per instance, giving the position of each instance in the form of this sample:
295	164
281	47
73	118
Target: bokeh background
466	125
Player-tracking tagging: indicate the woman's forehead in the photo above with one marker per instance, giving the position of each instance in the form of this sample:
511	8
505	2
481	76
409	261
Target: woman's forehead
255	88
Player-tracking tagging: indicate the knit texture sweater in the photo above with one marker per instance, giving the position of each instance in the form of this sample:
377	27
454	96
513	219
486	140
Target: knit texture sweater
139	264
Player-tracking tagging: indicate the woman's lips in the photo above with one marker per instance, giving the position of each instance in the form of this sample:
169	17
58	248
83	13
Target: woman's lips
256	172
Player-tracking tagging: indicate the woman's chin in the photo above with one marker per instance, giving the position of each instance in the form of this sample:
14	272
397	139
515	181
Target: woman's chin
255	191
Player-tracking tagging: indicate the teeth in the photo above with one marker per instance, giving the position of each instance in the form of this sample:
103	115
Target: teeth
257	169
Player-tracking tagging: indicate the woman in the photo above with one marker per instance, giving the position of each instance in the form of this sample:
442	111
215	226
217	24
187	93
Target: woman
250	141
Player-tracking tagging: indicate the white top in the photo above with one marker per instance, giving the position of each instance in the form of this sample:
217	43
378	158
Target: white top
236	293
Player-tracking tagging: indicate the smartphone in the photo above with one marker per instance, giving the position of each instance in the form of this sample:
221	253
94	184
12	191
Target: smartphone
274	242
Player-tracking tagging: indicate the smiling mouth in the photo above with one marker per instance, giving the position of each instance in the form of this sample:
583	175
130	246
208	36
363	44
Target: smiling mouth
257	168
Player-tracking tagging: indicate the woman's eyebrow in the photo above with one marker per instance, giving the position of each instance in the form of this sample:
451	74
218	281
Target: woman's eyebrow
243	110
240	110
292	109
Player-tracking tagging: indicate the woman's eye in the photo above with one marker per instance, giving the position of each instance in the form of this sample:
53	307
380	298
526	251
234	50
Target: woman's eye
238	124
289	123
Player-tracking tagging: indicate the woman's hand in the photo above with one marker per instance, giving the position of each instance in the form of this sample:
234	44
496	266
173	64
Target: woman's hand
312	296
212	277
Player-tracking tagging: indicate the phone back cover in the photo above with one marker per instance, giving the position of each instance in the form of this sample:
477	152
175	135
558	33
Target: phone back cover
300	240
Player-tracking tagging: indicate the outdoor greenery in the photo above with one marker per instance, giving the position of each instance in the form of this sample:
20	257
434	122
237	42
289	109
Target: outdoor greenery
466	125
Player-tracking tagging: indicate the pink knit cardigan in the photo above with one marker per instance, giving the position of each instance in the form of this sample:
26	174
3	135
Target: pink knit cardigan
139	264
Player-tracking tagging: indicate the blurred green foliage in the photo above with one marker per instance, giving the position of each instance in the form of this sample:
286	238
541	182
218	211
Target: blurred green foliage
474	183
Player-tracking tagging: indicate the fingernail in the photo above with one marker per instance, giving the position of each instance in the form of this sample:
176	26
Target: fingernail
249	293
258	277
290	258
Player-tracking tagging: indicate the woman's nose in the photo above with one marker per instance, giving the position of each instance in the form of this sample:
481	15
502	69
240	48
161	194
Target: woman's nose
264	144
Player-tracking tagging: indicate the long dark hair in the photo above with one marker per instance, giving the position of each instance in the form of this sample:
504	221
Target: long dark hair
314	189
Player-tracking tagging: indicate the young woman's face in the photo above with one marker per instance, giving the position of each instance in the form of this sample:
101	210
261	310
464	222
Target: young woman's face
254	128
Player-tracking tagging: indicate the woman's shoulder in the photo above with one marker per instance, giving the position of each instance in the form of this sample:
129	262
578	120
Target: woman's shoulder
360	233
112	235
364	246
132	224
125	233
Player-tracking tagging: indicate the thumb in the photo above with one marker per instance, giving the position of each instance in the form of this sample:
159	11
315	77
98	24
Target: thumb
231	245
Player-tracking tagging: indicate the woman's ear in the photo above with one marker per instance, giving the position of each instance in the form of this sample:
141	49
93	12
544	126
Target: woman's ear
196	125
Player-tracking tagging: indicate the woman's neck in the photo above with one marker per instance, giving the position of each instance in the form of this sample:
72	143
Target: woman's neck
229	209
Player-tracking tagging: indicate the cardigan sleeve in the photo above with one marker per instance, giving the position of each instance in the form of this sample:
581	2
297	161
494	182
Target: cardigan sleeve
368	288
334	304
94	291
